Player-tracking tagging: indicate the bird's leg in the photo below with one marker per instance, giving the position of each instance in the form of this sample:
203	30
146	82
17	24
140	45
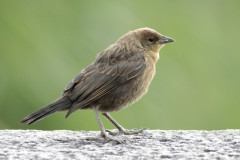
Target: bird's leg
120	128
103	132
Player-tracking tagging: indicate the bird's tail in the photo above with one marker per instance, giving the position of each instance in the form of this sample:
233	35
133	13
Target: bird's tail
58	105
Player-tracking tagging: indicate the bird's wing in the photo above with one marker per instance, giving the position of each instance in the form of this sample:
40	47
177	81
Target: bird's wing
80	77
106	74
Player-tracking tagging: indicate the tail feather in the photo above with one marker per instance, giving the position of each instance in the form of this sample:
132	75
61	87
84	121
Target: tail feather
58	105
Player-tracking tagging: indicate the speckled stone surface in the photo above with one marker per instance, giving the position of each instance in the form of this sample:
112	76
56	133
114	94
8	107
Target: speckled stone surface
151	144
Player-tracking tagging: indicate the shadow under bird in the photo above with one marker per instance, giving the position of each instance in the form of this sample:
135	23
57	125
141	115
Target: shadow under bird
119	76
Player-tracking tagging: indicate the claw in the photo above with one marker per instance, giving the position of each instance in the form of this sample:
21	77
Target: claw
124	131
110	138
111	132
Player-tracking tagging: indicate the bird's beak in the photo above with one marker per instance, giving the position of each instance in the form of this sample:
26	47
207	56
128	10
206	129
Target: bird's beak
165	39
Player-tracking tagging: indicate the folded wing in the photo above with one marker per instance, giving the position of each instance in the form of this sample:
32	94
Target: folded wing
110	70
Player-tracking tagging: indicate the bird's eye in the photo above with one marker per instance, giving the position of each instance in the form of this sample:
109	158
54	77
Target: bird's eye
151	39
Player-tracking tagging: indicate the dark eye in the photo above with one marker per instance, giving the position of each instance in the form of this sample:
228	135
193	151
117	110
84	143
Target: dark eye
151	40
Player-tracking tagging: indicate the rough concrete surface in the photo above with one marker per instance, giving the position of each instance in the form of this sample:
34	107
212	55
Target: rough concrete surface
151	144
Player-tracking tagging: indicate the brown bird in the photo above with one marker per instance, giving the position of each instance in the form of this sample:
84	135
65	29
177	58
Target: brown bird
119	76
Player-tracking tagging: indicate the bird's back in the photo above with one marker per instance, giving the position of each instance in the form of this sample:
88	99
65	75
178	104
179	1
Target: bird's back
117	78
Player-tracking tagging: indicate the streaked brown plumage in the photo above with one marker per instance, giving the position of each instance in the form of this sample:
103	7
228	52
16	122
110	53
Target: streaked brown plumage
118	77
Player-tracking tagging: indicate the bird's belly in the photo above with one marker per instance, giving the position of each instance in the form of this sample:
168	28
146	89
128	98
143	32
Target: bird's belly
127	93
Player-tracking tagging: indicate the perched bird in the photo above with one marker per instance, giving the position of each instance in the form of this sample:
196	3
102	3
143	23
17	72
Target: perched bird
119	76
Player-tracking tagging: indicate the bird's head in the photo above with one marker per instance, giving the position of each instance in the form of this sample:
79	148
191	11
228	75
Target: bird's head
151	40
148	39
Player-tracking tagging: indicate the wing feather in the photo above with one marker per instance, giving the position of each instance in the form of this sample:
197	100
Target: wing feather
102	77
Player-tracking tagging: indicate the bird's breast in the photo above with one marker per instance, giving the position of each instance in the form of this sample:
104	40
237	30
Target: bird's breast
131	91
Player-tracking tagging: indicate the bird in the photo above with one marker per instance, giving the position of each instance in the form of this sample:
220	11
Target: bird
119	76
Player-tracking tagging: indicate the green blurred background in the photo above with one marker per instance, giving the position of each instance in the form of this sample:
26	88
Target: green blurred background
44	44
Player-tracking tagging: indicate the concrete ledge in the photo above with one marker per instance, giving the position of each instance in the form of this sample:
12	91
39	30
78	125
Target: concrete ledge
151	144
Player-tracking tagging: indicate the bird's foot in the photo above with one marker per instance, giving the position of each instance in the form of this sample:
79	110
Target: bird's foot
126	132
113	133
133	131
110	138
